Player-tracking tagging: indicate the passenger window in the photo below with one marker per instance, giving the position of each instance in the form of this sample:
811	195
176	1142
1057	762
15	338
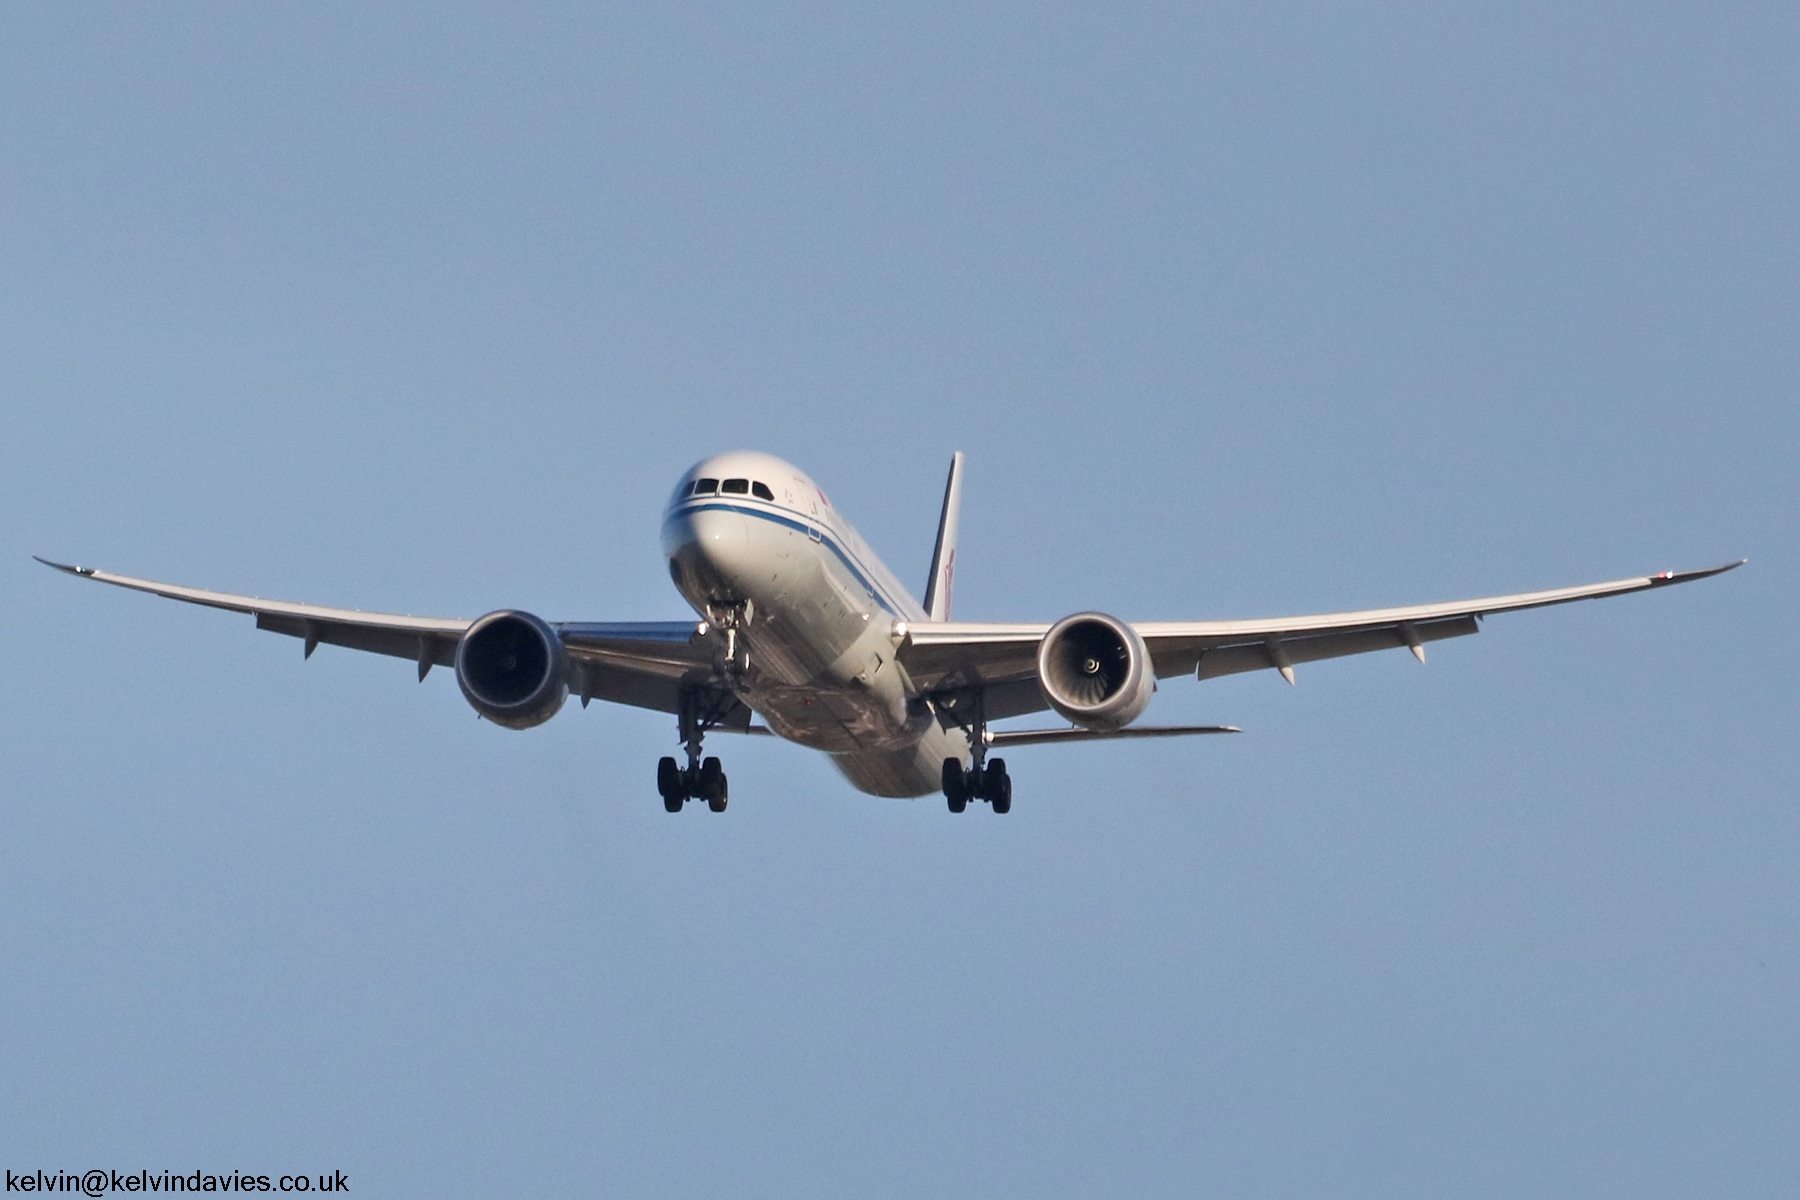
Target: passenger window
736	487
705	487
761	491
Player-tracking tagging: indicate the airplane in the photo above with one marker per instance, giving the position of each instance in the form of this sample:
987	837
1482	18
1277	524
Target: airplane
802	625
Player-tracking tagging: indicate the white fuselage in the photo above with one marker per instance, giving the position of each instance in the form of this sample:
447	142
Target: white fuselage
816	611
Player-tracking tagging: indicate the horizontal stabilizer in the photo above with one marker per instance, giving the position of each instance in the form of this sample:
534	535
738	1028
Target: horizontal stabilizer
1038	737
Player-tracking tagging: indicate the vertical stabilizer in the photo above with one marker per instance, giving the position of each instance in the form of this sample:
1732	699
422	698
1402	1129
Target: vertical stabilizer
943	558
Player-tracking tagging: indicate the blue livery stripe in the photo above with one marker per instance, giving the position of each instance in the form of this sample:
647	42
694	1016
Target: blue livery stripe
862	574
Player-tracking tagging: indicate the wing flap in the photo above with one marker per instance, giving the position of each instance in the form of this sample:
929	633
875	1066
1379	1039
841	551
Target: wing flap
1213	662
418	645
948	654
670	649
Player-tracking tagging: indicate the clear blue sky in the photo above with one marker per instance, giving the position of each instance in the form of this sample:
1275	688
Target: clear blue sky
1236	313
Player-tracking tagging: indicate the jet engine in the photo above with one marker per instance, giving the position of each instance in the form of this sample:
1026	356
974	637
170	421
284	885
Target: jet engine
512	669
1095	670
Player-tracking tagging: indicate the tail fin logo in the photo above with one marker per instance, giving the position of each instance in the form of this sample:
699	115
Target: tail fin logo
943	554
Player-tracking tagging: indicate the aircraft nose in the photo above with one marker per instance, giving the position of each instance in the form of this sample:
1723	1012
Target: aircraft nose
708	551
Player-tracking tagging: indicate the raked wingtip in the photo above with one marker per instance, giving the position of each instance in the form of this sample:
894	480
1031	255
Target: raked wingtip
67	568
1664	578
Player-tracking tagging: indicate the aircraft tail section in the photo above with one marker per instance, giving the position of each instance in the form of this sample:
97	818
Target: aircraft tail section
943	557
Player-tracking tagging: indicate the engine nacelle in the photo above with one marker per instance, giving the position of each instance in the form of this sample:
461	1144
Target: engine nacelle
1095	670
513	669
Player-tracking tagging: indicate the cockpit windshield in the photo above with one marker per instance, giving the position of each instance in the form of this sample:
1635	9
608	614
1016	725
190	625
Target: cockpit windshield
730	487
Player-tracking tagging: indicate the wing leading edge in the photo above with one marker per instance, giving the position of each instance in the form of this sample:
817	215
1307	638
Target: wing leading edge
641	663
649	664
1002	659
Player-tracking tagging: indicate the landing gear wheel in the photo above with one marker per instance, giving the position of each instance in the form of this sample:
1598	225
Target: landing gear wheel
956	786
713	786
671	785
996	786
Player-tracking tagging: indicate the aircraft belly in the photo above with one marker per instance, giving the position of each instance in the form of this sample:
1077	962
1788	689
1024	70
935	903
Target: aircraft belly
856	700
830	714
800	625
916	770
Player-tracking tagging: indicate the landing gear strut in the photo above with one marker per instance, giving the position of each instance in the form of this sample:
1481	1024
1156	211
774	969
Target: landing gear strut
701	779
984	780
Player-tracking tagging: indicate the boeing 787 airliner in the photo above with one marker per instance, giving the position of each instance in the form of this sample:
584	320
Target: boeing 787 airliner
801	624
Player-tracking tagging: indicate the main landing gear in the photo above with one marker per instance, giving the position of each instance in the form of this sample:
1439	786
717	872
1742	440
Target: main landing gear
701	779
985	779
990	783
705	782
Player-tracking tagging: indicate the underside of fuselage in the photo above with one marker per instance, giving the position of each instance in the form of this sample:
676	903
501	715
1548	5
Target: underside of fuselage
811	613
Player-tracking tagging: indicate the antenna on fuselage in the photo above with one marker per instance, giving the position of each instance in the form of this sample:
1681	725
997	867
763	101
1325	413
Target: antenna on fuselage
943	558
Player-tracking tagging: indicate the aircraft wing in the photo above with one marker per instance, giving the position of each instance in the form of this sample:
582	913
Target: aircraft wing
641	663
1001	660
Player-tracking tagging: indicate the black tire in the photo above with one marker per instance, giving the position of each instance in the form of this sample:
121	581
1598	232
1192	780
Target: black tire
956	786
712	786
996	785
669	783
